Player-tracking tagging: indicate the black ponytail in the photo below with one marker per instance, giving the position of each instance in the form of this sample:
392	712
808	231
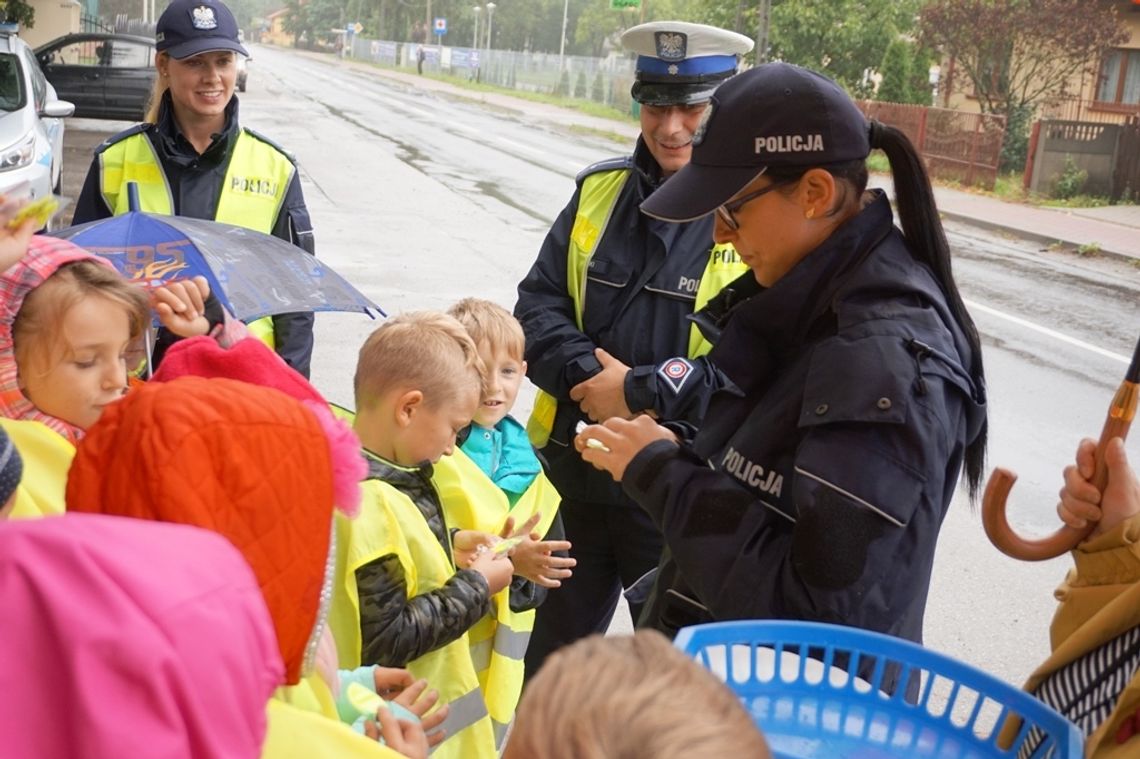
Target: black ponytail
922	228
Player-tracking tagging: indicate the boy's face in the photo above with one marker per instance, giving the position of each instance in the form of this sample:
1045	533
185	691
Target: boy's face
504	378
94	334
429	431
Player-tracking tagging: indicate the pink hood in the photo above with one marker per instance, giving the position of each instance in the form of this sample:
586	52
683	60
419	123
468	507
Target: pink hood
45	256
125	638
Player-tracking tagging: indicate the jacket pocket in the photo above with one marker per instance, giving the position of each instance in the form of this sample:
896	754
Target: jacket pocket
608	272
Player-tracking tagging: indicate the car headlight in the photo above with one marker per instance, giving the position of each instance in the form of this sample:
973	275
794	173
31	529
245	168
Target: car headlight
19	155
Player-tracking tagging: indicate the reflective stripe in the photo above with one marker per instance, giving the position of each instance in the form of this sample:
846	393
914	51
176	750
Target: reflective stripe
501	731
852	496
511	643
464	712
481	654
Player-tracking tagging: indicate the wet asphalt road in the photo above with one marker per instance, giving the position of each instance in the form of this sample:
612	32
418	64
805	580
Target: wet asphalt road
421	199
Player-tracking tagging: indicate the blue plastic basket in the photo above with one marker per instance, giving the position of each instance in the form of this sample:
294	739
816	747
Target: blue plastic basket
809	708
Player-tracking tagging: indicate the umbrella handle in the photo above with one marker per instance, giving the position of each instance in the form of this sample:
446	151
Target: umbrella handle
1119	419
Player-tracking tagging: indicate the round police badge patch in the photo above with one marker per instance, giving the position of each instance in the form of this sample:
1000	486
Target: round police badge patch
202	17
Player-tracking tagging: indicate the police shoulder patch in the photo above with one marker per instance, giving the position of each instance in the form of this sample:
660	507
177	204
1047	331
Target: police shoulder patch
270	143
675	372
610	164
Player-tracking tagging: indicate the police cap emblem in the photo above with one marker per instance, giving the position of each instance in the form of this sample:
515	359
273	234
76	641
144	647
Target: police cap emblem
202	17
671	46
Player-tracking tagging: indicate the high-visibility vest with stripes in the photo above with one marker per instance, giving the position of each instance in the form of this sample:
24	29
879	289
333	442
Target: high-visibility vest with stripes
47	456
596	202
389	523
471	501
251	196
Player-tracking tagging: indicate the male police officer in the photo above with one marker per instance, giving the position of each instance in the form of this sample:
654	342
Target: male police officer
605	311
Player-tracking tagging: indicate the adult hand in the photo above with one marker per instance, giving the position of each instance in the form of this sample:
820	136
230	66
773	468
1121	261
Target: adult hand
534	559
623	439
181	306
401	735
14	242
1082	503
602	396
419	700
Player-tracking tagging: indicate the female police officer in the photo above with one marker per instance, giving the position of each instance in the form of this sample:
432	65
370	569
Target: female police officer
817	490
191	158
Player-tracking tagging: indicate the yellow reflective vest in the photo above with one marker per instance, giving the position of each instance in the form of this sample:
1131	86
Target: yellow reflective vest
47	456
293	733
388	524
257	178
471	501
596	202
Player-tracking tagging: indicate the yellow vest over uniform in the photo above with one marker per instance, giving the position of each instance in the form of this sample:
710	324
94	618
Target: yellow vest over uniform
596	202
389	524
251	196
471	501
47	456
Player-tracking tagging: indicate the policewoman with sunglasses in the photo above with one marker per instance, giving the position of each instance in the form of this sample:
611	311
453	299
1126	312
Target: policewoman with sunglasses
816	489
190	157
605	310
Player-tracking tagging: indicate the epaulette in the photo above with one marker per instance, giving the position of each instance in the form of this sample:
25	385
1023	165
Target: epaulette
610	164
270	143
136	129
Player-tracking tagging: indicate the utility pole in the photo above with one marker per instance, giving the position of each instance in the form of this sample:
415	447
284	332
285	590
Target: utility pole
763	11
429	25
562	44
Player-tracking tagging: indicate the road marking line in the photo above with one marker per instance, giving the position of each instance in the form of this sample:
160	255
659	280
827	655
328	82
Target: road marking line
974	305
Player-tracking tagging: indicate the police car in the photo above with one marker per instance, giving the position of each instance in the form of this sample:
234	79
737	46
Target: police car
31	122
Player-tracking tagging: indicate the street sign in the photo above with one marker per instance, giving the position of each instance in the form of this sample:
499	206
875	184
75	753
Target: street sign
440	27
619	5
358	27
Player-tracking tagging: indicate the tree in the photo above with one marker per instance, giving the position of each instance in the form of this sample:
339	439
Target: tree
19	12
895	84
1016	55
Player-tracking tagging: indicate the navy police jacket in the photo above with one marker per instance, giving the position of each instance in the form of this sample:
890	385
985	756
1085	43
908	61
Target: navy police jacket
818	489
642	284
195	184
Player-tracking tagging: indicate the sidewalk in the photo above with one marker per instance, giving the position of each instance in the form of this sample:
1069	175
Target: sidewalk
1114	229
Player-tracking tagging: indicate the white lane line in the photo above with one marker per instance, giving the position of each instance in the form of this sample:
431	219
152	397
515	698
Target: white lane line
975	306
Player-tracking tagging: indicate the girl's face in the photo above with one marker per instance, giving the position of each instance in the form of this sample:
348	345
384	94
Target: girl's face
94	335
200	86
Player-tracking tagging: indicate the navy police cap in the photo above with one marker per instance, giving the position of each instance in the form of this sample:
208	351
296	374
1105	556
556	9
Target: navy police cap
190	27
680	63
775	115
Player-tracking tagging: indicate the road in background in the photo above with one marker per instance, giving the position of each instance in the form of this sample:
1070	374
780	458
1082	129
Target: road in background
421	199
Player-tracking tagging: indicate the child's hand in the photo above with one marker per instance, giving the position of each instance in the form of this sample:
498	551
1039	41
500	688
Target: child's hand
510	531
181	306
496	568
400	735
1082	503
533	559
417	699
14	242
465	544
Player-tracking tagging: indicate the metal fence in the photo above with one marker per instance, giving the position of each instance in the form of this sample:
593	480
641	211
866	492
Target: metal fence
1075	109
956	145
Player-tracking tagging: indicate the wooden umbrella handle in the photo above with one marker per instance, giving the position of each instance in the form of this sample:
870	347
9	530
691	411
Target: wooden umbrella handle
1120	416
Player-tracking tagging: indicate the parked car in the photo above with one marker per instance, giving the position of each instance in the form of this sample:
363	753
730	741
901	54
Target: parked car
106	76
242	72
31	122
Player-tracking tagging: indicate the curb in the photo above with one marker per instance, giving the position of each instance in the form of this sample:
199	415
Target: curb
1025	234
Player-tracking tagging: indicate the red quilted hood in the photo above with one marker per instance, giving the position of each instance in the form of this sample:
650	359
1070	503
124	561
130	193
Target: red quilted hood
245	461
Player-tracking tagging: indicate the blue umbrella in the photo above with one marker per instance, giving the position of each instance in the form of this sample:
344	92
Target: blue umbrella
251	273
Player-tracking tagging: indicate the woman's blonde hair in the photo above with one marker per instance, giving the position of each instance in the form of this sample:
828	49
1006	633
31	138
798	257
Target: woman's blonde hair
161	85
630	697
424	350
36	329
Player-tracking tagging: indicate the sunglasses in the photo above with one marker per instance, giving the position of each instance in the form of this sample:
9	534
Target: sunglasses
728	211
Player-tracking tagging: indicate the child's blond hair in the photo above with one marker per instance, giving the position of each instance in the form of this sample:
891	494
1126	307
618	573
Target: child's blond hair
490	323
630	697
36	329
422	350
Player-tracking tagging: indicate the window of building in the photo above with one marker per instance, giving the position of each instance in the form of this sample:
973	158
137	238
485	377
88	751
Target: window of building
1120	78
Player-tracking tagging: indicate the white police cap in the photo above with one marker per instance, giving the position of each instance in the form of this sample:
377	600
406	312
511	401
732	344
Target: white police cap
679	62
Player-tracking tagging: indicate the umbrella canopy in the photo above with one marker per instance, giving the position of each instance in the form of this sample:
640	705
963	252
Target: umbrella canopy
252	274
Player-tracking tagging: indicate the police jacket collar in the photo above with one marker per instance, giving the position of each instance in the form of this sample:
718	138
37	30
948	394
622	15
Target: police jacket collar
174	145
646	168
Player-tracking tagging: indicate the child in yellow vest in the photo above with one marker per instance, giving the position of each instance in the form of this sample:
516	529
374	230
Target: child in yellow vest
408	588
67	323
495	483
